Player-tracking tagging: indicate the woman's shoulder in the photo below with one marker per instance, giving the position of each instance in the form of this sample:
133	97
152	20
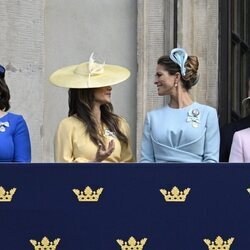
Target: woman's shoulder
205	108
15	121
71	123
157	111
167	111
244	132
14	117
123	122
71	120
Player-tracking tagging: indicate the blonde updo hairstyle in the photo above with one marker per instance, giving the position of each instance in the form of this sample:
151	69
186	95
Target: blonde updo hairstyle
192	64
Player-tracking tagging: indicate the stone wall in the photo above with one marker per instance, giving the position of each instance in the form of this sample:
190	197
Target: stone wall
198	32
22	52
39	36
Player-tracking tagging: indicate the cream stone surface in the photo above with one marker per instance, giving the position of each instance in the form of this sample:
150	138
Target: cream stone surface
198	33
22	53
155	37
40	36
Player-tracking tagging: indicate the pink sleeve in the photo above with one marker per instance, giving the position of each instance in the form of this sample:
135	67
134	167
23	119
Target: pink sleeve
236	153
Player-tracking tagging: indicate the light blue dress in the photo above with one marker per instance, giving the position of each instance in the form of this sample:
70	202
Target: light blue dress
14	139
188	135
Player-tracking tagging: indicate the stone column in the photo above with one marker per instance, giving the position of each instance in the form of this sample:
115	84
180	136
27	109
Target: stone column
154	38
198	34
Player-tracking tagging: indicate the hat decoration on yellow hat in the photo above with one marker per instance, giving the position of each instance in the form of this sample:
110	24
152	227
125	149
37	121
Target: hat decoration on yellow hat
91	74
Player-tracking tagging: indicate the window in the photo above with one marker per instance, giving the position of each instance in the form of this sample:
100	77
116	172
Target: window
234	58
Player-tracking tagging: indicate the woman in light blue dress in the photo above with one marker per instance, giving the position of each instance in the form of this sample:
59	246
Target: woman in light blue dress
184	130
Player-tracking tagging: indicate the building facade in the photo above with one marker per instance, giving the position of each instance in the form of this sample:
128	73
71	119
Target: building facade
37	37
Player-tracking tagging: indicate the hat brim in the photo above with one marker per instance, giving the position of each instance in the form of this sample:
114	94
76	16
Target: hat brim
67	78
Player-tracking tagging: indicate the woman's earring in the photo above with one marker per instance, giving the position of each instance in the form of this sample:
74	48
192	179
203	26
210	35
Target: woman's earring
176	85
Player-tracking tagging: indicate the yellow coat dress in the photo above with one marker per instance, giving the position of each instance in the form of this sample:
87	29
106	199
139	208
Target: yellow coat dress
73	144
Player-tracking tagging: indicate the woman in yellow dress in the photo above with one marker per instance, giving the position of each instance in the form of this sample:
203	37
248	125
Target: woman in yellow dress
91	132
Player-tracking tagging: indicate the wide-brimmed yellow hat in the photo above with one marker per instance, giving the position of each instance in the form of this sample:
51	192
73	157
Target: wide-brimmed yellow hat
89	74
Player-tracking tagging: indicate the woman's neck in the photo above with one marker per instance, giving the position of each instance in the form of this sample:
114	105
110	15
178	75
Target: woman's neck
2	113
97	113
181	100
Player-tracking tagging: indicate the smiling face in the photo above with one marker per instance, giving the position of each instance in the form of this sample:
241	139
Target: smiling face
164	81
102	95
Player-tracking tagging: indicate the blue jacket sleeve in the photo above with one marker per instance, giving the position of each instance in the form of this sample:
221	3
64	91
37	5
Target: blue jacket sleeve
212	138
147	150
21	138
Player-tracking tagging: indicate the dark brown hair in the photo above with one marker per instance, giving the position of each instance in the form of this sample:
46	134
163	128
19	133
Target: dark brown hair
81	103
191	65
4	95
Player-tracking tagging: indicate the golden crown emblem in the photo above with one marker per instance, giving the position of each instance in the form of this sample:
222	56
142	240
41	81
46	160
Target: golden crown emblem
88	194
219	243
175	195
45	244
132	244
6	196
